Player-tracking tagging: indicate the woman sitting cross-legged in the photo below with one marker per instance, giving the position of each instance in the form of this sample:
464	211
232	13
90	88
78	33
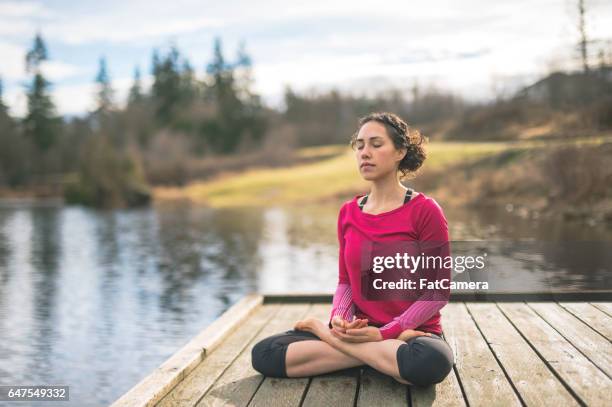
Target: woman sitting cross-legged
398	337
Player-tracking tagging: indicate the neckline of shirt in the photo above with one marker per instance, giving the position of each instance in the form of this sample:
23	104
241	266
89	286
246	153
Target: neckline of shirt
371	215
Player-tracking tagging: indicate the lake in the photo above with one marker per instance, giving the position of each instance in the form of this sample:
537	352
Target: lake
98	299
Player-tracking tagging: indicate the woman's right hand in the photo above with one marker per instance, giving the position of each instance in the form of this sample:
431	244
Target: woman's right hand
410	333
339	324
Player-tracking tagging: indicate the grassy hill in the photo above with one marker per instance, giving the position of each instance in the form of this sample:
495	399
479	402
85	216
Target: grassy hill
565	178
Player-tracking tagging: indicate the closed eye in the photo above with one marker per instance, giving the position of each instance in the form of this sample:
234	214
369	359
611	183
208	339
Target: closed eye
360	146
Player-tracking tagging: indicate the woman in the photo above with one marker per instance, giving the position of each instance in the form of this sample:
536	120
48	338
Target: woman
399	338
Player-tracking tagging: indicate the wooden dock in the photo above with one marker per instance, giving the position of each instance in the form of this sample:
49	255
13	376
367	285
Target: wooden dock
507	353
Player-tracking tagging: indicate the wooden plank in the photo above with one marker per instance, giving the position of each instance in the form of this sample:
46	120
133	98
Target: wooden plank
283	392
535	383
237	385
592	316
588	383
595	347
377	389
195	385
603	306
333	389
479	372
156	385
336	389
446	393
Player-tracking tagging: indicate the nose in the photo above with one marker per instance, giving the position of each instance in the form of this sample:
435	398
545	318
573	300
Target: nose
364	153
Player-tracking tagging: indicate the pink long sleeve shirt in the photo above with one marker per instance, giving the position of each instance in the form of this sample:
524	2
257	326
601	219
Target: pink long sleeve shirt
420	219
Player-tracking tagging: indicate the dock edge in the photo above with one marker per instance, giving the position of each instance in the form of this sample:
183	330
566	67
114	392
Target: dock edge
150	390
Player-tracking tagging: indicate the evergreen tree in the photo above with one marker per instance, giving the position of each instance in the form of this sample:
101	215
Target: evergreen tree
239	115
135	95
223	132
40	123
6	121
105	92
36	55
12	157
221	74
3	108
188	87
253	122
155	63
166	84
244	74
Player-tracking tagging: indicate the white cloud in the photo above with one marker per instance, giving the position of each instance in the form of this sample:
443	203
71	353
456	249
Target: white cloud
74	99
13	61
340	43
13	65
445	68
123	29
21	9
79	99
15	28
23	18
57	70
16	101
68	99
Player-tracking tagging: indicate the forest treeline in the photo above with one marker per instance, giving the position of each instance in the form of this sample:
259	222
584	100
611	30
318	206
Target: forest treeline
191	123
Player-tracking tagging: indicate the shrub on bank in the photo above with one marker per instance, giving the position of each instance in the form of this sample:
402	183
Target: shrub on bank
107	178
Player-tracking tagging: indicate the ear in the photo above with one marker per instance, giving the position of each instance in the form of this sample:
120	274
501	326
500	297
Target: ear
400	154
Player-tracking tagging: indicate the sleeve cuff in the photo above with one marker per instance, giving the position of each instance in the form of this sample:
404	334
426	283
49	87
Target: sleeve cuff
391	330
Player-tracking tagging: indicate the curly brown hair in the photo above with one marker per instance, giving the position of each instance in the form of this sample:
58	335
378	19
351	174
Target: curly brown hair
403	136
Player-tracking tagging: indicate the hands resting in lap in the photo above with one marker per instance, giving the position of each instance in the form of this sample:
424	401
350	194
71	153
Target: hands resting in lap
358	330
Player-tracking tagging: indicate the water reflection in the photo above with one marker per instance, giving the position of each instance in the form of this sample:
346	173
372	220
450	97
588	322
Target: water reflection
299	250
97	299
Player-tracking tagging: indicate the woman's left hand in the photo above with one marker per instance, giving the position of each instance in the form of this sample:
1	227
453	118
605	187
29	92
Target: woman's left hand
365	334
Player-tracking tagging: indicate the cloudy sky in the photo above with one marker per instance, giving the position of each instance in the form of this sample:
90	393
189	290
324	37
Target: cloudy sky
473	47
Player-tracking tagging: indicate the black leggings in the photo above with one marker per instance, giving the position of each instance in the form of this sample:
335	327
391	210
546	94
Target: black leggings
422	360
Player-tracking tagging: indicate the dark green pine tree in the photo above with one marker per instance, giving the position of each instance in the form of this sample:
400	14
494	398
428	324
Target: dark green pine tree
221	74
3	108
135	96
105	92
155	63
40	123
252	117
166	88
188	88
223	132
36	55
244	74
11	161
6	121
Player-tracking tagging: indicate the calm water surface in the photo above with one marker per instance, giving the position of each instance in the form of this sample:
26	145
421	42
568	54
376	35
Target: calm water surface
98	299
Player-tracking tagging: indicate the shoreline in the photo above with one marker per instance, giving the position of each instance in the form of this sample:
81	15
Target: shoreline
513	176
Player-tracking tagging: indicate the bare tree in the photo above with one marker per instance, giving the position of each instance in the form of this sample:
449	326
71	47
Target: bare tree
583	35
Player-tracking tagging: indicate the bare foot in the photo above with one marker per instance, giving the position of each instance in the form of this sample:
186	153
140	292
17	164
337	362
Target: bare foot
312	325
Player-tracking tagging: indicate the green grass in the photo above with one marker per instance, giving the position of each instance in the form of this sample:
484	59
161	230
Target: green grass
306	182
335	177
